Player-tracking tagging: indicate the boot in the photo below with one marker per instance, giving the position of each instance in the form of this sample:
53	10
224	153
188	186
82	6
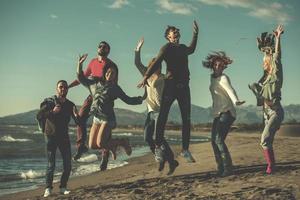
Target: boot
218	158
227	164
255	88
81	150
104	160
269	156
124	142
172	166
113	148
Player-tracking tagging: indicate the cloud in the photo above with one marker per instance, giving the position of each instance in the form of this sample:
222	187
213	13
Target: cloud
263	10
173	7
228	3
53	16
118	4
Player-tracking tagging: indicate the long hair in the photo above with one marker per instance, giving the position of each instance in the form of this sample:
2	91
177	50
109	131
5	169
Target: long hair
215	56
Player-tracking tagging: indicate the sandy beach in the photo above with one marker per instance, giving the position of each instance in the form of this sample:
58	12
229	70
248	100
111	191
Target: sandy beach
141	180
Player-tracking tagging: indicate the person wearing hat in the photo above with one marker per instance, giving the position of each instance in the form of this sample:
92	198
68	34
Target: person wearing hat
268	92
95	69
224	99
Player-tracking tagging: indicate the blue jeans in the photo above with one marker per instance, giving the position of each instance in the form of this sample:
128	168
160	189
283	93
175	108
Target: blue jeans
150	128
219	132
273	118
64	146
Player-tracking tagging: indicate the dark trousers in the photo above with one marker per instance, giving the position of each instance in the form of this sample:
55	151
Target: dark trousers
173	90
150	128
83	117
219	132
63	144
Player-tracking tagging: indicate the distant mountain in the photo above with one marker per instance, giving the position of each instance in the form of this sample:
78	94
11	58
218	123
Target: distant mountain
245	114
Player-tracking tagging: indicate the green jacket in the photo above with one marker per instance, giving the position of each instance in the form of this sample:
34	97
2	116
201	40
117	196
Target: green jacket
272	84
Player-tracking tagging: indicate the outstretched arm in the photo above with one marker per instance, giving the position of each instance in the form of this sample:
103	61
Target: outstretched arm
225	83
278	32
137	58
191	48
129	100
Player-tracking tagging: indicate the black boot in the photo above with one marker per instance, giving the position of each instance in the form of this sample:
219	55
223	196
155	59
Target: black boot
81	150
104	160
227	164
256	88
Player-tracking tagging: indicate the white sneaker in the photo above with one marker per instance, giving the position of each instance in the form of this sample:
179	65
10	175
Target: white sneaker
64	191
47	192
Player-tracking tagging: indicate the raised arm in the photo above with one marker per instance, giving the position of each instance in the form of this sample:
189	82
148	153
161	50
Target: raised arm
137	58
80	75
76	82
154	66
225	83
191	48
278	32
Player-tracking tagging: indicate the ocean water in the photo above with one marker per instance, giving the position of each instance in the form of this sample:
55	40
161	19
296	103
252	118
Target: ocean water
23	161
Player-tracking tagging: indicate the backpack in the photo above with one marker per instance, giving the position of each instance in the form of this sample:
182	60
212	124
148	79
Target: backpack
47	105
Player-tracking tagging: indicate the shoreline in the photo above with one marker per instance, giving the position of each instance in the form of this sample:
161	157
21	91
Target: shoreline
140	178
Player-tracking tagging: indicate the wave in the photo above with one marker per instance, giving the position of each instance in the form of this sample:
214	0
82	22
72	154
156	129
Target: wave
37	132
94	167
22	126
71	132
8	138
123	134
31	174
88	158
192	140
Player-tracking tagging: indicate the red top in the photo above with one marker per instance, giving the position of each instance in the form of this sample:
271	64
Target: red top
95	69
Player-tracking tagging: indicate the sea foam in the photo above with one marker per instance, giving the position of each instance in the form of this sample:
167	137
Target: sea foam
8	138
31	174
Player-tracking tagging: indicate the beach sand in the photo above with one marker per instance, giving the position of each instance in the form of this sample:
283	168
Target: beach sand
141	180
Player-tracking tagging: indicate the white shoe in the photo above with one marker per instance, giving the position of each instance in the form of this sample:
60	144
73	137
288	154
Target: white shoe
48	192
64	191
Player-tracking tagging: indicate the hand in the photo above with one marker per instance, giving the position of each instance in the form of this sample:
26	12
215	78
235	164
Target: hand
143	83
82	58
238	103
195	27
279	30
140	44
56	109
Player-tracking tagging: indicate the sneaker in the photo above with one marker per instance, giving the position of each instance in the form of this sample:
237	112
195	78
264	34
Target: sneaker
81	150
188	156
64	191
47	192
127	146
159	154
173	166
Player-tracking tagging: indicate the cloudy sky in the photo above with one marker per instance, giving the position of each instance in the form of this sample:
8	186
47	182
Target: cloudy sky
41	39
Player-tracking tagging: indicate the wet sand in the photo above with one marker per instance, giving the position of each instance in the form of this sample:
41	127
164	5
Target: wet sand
141	180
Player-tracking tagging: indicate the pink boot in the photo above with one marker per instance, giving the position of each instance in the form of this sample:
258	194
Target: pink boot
269	156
